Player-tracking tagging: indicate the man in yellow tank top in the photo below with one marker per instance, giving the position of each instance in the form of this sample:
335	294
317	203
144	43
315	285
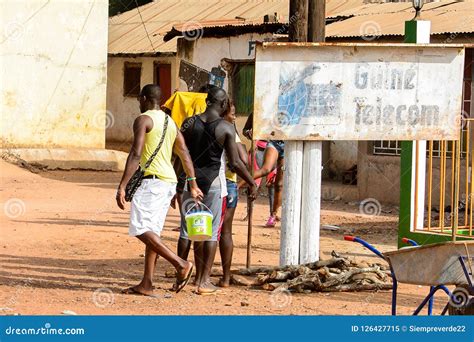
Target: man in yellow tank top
151	201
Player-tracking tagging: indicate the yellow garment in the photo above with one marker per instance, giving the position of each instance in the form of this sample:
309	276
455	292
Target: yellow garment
161	165
232	176
185	104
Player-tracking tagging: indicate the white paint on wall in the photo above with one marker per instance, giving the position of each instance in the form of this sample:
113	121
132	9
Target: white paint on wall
343	155
53	59
208	52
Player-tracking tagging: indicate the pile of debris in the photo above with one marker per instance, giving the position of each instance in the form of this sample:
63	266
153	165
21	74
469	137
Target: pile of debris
333	275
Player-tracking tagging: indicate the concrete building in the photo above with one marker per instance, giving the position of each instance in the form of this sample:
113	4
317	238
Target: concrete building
378	162
53	59
139	55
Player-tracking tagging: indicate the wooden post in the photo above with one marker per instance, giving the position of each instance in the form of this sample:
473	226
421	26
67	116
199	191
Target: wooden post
292	183
317	21
298	29
312	159
457	169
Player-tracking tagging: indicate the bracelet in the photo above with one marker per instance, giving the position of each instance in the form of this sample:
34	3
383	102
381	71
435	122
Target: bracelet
189	179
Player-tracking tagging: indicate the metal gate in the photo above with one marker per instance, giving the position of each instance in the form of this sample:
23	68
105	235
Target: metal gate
437	194
449	185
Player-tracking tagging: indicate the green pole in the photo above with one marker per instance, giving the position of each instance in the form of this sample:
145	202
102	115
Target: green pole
416	31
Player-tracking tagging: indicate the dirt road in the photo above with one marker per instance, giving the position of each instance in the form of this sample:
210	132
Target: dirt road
64	246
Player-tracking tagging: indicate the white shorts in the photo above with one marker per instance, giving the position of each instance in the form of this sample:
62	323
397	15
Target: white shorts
149	207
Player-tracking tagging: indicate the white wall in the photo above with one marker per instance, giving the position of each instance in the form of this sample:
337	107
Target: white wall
122	110
53	73
208	52
342	156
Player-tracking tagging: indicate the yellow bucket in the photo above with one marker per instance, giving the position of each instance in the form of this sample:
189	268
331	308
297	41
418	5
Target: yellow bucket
199	223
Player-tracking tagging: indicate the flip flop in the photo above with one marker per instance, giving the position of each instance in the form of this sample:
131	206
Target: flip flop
180	284
133	291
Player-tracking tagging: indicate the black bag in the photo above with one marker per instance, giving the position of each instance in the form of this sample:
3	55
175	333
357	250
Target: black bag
136	180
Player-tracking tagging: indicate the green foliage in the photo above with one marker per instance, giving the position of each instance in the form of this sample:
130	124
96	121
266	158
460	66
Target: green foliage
120	6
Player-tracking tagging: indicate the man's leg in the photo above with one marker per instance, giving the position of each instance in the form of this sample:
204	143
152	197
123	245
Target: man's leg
154	242
184	245
199	260
226	247
146	285
209	252
214	201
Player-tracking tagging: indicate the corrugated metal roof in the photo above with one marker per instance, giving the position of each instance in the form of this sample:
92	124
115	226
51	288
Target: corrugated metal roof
389	19
368	20
127	34
228	28
225	30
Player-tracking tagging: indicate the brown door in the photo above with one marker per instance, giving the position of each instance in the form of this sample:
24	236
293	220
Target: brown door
162	77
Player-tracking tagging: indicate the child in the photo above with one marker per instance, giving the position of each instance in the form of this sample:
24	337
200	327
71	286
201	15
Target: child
226	245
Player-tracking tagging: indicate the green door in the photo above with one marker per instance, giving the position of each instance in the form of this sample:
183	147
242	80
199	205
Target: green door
243	87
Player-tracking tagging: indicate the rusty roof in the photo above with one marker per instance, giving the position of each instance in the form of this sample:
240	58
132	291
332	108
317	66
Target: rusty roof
228	29
141	30
389	19
368	21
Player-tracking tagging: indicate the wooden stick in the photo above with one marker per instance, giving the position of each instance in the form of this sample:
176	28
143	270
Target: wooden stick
250	213
343	277
334	262
354	287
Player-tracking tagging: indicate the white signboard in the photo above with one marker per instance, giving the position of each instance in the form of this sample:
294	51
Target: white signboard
310	91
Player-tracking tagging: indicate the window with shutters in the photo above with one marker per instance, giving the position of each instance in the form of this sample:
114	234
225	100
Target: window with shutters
131	79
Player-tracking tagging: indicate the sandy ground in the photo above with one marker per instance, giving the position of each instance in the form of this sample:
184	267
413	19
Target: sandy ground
64	246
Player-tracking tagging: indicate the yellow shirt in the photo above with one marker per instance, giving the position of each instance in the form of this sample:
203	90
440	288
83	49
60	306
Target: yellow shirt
185	104
161	165
232	176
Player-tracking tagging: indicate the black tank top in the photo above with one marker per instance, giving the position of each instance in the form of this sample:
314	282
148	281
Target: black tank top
205	150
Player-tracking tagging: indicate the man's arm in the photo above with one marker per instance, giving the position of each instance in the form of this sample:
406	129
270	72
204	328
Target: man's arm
243	155
181	150
232	151
140	126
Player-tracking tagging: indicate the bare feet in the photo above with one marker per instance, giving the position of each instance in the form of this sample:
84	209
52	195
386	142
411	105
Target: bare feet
139	290
224	282
184	272
206	288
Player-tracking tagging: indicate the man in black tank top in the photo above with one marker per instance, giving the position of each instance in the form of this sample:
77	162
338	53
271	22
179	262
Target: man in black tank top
208	136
